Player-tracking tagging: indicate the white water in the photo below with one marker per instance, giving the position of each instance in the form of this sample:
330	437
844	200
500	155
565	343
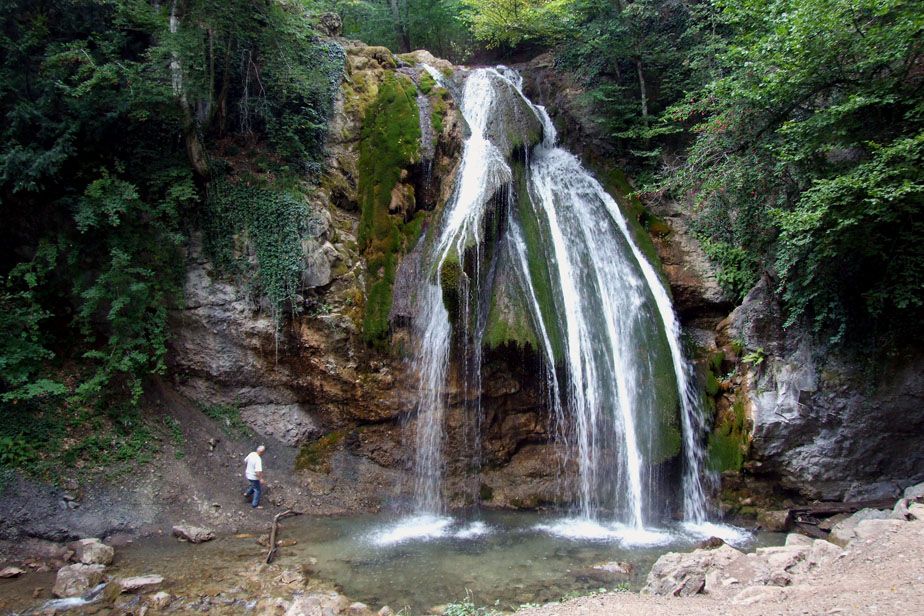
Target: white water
613	314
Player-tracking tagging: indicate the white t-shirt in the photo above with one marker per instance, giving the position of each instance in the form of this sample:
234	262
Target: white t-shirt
254	465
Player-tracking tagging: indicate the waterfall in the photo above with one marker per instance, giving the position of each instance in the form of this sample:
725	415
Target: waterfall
607	334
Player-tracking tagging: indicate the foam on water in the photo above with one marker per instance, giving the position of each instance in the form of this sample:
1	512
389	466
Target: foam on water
475	529
729	534
92	595
421	527
586	529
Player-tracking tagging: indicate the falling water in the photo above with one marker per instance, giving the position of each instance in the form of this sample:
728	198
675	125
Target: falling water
611	312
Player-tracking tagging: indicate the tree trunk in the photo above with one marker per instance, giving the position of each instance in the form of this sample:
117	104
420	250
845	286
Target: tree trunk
194	149
403	38
642	90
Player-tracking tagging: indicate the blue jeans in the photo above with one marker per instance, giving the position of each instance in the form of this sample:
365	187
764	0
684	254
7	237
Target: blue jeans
256	488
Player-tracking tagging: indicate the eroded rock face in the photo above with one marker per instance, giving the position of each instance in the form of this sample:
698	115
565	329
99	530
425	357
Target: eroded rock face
819	423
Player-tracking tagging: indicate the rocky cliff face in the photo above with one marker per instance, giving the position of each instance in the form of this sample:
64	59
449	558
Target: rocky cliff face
830	426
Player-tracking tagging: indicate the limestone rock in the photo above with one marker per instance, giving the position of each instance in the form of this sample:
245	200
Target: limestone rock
816	423
796	540
193	534
900	510
323	604
684	574
915	491
159	600
139	584
845	531
329	24
916	511
92	551
868	530
775	521
75	580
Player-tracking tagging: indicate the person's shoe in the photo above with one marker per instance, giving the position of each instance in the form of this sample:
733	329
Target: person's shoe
259	507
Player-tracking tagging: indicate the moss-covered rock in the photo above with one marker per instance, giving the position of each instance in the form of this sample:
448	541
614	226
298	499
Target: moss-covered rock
509	319
390	143
729	442
315	456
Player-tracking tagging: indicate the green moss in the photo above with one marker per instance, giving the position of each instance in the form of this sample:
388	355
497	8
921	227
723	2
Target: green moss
389	143
712	384
486	492
315	456
450	280
438	111
729	441
427	83
509	321
615	182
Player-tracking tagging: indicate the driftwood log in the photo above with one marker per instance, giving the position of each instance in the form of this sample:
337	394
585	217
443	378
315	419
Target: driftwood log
272	541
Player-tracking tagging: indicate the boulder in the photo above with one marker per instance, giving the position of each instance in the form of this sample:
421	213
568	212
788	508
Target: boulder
681	575
915	491
795	540
92	551
775	521
321	604
817	423
900	510
193	534
868	530
916	511
159	600
783	558
845	531
139	584
822	553
75	580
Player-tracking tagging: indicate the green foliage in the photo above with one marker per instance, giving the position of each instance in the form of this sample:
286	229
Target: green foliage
405	25
807	159
273	222
636	59
228	417
107	108
510	22
467	607
755	357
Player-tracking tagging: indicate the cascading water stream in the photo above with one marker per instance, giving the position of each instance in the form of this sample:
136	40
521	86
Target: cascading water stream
611	312
482	172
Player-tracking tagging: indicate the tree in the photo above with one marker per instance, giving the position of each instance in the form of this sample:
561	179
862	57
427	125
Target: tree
808	158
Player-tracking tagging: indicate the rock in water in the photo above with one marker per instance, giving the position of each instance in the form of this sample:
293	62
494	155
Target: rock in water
193	534
92	551
775	521
140	584
11	572
159	600
74	580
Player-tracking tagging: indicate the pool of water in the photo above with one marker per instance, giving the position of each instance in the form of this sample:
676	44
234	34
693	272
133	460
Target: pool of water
498	558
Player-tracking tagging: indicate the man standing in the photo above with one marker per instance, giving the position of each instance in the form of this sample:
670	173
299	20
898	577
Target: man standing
254	474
